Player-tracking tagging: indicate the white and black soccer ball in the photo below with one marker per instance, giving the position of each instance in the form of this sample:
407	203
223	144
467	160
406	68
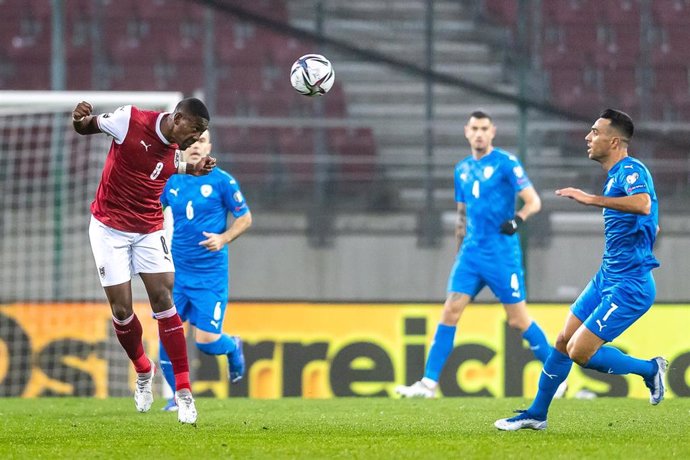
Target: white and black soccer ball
312	75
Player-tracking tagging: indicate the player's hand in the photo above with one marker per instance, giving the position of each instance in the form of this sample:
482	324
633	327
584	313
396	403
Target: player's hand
213	242
575	194
509	227
82	110
204	166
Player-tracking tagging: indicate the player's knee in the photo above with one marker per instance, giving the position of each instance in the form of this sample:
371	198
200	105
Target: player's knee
561	344
449	316
161	300
519	324
578	355
121	311
452	310
203	337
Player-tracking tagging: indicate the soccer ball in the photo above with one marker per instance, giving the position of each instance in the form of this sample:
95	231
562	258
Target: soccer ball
312	75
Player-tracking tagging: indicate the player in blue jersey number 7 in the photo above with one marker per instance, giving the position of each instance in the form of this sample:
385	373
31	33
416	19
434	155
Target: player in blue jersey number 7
623	289
487	184
201	235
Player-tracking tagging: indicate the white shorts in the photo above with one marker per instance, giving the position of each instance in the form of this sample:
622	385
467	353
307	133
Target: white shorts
119	255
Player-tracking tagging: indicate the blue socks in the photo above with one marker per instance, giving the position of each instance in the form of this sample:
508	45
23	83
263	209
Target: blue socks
440	349
537	341
610	360
556	370
442	346
222	346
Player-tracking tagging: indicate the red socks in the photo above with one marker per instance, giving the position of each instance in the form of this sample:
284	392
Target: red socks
172	336
128	333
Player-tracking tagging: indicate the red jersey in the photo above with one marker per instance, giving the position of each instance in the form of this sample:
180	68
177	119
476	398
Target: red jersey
139	163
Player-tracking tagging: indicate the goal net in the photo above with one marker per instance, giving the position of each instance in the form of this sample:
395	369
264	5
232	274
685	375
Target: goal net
55	333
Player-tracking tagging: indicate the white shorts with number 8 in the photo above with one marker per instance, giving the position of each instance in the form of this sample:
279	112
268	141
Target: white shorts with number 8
120	255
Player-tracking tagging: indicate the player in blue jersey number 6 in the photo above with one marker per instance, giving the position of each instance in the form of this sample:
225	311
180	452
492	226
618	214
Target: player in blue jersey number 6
622	290
200	241
487	184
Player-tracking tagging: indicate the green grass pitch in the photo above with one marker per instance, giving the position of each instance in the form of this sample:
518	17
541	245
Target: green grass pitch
361	428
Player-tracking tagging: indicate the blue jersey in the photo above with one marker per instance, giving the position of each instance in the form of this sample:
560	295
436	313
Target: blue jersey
489	188
629	237
201	204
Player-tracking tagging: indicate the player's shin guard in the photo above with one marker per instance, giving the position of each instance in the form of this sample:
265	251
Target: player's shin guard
611	360
166	366
555	371
222	346
171	335
129	334
538	343
440	349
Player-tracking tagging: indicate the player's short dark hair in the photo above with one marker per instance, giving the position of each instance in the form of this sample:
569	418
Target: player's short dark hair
193	107
620	121
479	114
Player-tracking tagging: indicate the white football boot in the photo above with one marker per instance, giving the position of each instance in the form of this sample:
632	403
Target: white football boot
143	394
186	411
656	385
520	422
416	390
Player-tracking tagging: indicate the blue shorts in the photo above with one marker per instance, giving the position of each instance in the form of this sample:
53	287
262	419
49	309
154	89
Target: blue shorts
473	270
609	307
202	302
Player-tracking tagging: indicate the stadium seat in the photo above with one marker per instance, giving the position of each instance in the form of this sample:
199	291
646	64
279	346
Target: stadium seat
190	42
79	75
672	81
297	148
622	12
273	9
501	11
356	150
667	12
573	90
278	103
10	27
244	55
118	9
249	151
570	44
620	47
168	10
671	175
29	76
134	77
129	40
584	12
187	78
38	8
620	86
672	48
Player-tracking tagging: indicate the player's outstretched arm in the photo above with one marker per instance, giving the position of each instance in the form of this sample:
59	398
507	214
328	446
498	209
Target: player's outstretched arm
82	120
640	203
215	241
202	167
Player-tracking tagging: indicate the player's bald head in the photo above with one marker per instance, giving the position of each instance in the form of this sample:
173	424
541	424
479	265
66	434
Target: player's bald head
193	107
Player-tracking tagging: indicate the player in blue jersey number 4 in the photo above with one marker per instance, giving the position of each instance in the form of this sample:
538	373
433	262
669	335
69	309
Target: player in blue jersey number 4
622	290
487	184
201	235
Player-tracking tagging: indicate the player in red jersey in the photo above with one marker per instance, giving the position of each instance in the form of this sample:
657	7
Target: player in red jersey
126	230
